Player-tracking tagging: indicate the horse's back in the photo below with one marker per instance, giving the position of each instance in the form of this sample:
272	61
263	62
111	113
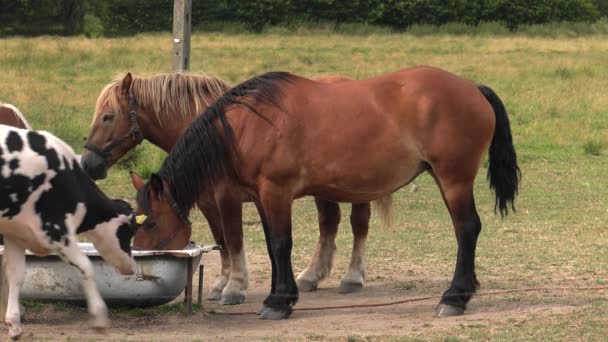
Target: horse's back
386	127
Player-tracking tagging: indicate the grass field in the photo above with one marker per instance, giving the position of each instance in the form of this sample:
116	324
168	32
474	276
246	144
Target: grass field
554	90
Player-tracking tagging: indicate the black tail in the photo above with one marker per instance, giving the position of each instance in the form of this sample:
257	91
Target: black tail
503	173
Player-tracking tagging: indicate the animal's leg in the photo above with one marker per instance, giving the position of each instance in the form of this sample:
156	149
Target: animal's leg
323	257
71	253
354	279
3	288
212	215
15	261
270	256
231	211
458	197
276	203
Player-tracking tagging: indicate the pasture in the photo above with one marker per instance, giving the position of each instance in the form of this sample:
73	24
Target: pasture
555	93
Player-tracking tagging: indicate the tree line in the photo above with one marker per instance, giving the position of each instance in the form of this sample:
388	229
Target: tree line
125	17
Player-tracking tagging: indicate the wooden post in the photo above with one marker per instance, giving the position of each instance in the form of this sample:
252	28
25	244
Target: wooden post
188	289
201	272
182	11
3	290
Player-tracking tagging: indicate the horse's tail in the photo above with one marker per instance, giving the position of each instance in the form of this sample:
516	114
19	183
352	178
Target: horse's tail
503	173
384	207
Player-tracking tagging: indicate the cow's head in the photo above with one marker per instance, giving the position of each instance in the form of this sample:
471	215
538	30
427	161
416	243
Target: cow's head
112	238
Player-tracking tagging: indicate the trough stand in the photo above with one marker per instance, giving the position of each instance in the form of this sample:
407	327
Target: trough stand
190	275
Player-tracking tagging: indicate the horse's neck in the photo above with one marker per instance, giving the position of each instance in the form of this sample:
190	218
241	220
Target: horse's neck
166	134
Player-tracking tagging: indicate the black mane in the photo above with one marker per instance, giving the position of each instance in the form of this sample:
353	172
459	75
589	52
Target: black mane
202	156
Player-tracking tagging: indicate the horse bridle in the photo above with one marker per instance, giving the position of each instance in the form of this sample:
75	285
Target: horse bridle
183	217
133	133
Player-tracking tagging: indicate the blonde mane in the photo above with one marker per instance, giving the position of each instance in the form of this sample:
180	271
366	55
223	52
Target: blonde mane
17	113
167	95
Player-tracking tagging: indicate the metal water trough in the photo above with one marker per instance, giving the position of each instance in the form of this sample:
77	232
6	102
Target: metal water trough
161	276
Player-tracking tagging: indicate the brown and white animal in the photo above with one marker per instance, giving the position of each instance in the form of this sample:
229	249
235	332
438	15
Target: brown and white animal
47	193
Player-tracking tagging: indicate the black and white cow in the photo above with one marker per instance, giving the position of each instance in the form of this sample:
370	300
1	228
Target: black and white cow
44	191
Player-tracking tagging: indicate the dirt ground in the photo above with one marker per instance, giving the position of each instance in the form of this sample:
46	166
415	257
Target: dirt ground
410	319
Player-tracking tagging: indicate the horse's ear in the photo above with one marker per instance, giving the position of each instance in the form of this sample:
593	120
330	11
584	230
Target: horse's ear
137	181
156	185
125	85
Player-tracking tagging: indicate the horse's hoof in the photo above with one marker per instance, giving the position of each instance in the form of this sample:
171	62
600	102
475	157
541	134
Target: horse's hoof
100	324
216	294
232	299
275	314
14	332
100	330
348	287
445	310
261	309
306	285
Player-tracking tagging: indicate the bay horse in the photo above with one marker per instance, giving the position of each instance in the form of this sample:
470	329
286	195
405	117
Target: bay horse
279	136
161	109
46	201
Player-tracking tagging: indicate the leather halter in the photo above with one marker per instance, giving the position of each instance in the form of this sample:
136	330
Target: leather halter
133	133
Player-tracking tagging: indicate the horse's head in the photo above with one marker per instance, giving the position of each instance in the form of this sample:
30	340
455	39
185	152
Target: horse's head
112	238
115	128
166	226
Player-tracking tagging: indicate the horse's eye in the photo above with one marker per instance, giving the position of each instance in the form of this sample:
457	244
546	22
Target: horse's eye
108	117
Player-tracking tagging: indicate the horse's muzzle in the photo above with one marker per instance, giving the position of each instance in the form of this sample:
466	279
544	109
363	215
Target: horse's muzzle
94	166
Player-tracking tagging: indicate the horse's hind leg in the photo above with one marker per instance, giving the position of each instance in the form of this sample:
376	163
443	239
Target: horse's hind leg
71	253
212	215
354	279
15	273
232	222
458	197
322	260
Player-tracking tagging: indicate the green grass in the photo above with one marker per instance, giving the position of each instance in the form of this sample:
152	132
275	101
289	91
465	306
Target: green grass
555	92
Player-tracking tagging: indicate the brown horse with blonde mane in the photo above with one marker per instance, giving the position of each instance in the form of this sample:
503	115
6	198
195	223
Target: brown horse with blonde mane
279	136
160	109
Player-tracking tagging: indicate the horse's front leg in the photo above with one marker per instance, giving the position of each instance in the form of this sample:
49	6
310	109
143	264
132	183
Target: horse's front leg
71	253
231	215
322	260
276	202
212	214
15	273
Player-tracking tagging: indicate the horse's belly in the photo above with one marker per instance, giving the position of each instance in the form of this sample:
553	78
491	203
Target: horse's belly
366	180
